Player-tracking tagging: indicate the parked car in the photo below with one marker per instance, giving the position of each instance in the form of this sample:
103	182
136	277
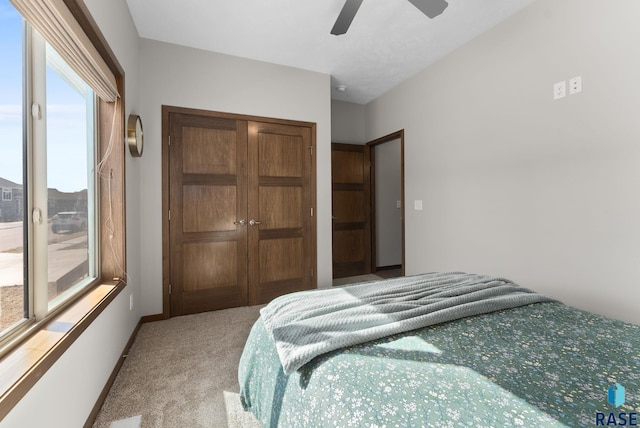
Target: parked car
71	221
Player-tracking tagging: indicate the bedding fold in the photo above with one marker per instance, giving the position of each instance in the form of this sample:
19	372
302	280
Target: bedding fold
307	324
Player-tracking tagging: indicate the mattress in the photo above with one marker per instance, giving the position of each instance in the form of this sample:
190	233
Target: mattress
544	364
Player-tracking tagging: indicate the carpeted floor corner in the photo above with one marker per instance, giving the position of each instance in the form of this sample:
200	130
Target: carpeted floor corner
182	372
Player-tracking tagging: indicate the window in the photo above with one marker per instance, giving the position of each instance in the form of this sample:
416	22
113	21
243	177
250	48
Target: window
12	285
7	195
48	113
50	162
70	180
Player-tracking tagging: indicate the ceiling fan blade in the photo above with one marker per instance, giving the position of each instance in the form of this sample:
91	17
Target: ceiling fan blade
346	16
431	8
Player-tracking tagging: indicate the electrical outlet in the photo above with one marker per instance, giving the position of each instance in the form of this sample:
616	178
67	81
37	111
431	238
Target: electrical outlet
559	90
575	85
398	204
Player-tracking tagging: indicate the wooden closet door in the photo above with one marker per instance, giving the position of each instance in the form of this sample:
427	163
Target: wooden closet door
281	245
208	195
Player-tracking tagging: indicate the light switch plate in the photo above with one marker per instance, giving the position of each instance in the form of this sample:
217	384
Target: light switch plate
417	205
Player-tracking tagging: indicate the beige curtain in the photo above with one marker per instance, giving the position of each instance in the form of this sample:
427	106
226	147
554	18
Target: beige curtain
55	23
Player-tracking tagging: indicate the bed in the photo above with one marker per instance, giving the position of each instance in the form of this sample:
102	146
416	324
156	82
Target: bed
540	363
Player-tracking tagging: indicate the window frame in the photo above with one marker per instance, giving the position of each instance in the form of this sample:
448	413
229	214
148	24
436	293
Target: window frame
37	306
40	306
25	359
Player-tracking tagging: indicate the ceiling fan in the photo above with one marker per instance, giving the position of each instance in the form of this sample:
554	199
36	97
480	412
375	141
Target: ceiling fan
431	8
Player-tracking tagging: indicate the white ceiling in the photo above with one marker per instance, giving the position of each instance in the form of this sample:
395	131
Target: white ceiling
388	41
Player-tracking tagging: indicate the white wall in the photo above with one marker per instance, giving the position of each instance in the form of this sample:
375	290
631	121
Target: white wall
66	394
544	192
185	77
347	122
388	183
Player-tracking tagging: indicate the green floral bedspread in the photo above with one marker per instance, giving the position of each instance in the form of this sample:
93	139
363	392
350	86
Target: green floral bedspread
541	365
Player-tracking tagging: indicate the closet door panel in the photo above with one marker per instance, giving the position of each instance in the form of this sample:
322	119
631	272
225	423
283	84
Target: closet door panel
281	207
209	208
201	274
208	195
281	259
280	155
280	199
209	151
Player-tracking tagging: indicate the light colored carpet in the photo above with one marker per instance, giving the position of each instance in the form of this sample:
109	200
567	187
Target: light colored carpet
133	422
354	279
236	416
183	372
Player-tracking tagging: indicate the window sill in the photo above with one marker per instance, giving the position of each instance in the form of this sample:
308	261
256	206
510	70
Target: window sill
21	368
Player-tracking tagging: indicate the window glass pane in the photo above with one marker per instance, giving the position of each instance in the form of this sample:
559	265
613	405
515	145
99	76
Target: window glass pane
12	259
70	154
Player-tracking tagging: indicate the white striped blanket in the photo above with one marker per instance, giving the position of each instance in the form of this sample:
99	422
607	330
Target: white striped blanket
306	324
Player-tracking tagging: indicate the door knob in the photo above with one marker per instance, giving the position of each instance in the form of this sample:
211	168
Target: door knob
253	222
241	222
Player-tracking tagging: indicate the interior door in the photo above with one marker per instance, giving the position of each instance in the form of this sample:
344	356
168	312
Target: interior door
386	157
350	182
208	194
280	212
